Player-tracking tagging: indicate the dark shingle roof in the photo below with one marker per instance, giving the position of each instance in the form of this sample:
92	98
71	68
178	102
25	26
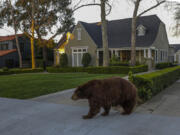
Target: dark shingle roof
176	47
119	32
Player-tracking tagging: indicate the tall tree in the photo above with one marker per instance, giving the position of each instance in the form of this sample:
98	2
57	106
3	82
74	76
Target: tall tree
44	18
176	6
104	13
134	23
9	15
104	34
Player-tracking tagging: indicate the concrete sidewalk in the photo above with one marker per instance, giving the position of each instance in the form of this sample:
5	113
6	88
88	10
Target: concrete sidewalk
20	117
165	103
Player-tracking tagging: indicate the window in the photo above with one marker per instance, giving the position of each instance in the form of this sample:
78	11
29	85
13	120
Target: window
22	47
141	30
79	33
4	47
156	56
77	55
161	55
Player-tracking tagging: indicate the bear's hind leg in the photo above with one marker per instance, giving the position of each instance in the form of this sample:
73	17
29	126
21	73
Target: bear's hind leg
128	107
106	110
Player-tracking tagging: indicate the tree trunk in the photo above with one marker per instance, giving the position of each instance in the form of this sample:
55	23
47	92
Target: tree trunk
18	49
16	37
133	34
104	34
44	57
32	38
133	42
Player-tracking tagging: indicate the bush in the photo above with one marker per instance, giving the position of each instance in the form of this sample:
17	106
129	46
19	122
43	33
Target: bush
5	69
9	63
19	71
118	63
152	83
100	70
63	60
86	60
39	62
164	65
66	70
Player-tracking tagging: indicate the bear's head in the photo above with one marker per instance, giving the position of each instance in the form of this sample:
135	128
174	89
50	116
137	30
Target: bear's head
79	93
84	91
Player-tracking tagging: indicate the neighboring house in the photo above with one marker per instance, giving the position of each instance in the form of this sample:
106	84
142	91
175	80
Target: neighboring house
8	51
176	52
152	42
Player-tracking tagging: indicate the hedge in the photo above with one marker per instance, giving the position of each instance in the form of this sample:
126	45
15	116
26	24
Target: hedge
91	70
152	83
100	70
19	71
164	65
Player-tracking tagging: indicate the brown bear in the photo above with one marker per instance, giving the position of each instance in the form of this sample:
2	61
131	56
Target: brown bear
106	93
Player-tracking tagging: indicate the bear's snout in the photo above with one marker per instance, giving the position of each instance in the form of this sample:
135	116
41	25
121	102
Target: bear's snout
74	97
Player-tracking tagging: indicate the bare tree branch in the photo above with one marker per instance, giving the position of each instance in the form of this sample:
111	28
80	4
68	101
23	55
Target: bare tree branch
110	8
158	4
86	5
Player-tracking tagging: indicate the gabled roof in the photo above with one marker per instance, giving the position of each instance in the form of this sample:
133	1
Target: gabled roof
119	32
63	38
5	52
10	37
176	47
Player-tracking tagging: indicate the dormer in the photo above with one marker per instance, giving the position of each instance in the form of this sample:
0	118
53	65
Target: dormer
141	30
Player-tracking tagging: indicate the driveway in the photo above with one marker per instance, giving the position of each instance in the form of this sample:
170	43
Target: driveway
56	114
19	117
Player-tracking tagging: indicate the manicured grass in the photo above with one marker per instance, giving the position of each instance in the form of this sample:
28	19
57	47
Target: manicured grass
24	86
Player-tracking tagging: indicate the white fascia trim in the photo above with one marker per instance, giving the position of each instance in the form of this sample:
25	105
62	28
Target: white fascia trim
80	47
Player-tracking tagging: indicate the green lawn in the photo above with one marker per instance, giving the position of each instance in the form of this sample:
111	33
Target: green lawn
24	86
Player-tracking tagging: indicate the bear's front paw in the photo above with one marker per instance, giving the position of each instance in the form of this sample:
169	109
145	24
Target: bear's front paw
87	117
104	114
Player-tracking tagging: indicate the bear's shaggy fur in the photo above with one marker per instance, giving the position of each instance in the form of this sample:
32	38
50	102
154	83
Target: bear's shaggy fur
106	93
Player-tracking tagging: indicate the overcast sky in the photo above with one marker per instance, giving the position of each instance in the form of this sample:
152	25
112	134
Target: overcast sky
122	9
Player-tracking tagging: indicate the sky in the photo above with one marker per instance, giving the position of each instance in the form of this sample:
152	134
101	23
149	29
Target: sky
122	9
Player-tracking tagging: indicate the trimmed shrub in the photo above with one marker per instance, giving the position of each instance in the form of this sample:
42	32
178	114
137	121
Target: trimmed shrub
39	62
86	60
63	60
5	69
100	70
20	71
66	70
152	83
118	63
9	63
164	65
